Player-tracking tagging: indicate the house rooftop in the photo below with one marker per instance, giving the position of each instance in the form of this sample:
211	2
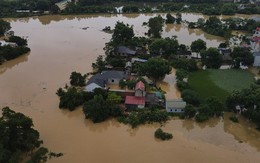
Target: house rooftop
176	103
140	85
126	50
101	78
133	100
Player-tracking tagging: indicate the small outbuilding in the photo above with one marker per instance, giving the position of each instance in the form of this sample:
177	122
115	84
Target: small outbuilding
256	59
124	51
175	106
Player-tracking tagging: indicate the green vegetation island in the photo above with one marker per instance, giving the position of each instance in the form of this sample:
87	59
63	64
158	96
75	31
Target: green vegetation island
19	141
22	8
11	46
124	81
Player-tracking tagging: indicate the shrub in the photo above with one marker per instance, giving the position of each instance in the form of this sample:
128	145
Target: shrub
233	118
160	134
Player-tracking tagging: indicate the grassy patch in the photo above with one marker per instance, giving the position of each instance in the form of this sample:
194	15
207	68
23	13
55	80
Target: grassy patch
232	79
219	83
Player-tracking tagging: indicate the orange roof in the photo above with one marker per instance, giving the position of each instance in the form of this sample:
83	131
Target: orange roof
133	100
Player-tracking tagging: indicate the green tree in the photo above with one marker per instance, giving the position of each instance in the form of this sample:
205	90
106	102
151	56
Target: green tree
170	19
178	18
155	68
242	55
181	74
123	33
165	47
76	79
155	25
160	134
211	58
113	98
99	65
190	111
72	98
215	105
43	5
4	26
18	138
198	45
18	40
191	97
98	109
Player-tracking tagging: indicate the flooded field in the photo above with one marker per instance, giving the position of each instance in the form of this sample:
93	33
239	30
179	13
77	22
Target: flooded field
59	46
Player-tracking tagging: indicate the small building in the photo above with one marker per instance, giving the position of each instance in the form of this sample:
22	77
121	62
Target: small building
133	102
4	43
105	77
125	51
138	100
175	106
133	60
96	81
140	89
256	59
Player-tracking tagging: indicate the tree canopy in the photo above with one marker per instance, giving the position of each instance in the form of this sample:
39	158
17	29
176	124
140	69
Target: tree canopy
165	47
122	33
76	79
198	45
4	26
155	25
99	109
17	138
18	40
155	68
243	56
211	58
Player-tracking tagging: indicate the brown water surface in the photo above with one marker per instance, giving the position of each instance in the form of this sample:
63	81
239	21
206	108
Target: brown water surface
58	47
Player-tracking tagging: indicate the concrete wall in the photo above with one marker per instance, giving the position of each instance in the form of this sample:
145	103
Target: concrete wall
257	61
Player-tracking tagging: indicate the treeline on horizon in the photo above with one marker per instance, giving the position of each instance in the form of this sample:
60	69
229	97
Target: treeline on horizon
8	8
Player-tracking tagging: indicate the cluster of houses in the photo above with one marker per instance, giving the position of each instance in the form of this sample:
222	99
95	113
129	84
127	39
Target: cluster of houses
139	97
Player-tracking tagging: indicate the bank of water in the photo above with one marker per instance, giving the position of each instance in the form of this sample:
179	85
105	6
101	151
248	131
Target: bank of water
59	46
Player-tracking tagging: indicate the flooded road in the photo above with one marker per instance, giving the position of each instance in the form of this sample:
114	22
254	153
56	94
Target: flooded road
58	47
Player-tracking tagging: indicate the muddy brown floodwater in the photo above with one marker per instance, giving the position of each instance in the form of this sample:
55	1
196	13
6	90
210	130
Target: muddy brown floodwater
58	47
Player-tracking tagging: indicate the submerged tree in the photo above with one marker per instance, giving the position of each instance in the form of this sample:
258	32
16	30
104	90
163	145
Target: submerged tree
211	58
4	26
155	25
242	56
18	138
155	68
76	79
122	33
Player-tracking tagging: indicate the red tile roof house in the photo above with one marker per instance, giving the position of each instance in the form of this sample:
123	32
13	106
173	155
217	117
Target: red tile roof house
137	101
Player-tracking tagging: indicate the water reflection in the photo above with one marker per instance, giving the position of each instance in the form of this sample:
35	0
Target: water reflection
12	63
243	132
